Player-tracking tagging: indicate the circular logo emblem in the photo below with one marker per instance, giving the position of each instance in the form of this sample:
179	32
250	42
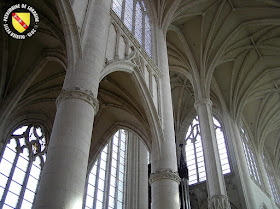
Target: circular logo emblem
21	21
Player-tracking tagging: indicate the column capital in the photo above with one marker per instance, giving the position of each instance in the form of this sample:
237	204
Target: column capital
202	101
165	174
78	93
218	202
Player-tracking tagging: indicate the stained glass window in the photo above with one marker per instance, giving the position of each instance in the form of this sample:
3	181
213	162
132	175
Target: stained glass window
20	167
148	36
134	15
106	180
138	23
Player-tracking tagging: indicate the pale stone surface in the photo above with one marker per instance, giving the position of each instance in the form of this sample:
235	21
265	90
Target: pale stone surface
137	174
165	192
214	176
63	178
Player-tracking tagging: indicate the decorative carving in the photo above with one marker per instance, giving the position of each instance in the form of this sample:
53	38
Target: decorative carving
165	174
203	101
218	202
78	93
136	44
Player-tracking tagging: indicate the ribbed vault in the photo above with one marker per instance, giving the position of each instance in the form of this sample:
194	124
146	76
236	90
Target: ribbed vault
237	44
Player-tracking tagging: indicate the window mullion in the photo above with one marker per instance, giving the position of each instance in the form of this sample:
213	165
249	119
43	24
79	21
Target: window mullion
144	29
96	182
9	180
107	175
125	173
133	17
23	188
123	10
118	170
196	164
39	179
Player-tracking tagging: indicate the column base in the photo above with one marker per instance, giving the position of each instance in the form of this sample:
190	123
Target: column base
218	202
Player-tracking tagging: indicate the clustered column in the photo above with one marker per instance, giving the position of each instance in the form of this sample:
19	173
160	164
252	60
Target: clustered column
137	173
164	178
63	178
217	197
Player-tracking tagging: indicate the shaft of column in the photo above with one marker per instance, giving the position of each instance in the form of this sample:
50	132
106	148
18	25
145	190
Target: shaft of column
137	173
64	174
217	196
243	167
265	180
164	178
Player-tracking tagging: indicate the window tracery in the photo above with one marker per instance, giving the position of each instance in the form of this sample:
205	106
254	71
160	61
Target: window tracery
194	151
106	180
251	159
20	168
271	179
134	15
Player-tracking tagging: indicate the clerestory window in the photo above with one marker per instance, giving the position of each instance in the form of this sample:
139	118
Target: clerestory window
194	151
271	179
20	168
106	180
134	15
251	158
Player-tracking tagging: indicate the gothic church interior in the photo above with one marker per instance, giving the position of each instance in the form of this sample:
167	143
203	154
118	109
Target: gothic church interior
142	104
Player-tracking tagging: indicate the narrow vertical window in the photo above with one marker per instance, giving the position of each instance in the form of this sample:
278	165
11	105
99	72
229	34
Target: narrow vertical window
117	7
128	14
138	23
251	159
194	154
221	146
271	179
105	188
148	37
20	167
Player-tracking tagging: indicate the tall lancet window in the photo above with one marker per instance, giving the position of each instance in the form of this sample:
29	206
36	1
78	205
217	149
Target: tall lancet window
251	158
106	180
134	15
194	151
221	146
20	168
270	173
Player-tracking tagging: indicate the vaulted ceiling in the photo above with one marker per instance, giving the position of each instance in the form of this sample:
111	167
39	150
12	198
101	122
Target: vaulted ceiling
232	46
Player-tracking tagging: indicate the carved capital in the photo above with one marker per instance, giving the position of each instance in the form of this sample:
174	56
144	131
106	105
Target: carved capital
218	202
203	101
165	174
78	93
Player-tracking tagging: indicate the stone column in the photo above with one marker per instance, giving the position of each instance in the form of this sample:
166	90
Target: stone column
164	178
137	173
64	174
217	196
242	165
265	179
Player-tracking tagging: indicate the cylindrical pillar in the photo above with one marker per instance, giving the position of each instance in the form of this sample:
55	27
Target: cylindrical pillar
64	174
217	196
243	168
164	178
